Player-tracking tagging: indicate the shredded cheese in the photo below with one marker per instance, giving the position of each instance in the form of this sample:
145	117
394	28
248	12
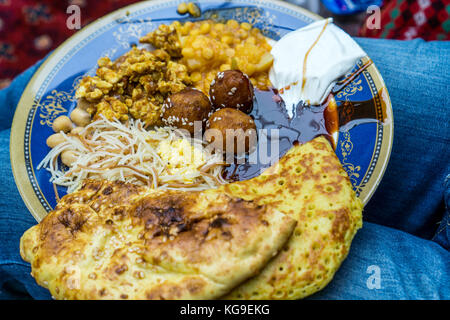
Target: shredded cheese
162	158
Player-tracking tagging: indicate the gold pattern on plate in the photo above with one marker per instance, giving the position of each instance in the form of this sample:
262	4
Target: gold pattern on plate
346	144
353	170
53	105
352	88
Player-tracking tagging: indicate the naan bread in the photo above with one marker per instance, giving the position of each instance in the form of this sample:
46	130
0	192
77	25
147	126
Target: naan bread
309	185
113	240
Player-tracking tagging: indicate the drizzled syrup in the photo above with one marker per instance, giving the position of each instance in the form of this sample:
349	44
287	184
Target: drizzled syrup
308	123
269	113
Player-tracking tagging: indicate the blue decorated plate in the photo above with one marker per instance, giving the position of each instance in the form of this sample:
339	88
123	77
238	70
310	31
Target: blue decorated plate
363	149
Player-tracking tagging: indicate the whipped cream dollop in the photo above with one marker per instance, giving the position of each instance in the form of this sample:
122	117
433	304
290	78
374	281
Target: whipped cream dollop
308	61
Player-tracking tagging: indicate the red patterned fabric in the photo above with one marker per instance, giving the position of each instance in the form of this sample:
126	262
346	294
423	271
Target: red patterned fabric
409	19
29	29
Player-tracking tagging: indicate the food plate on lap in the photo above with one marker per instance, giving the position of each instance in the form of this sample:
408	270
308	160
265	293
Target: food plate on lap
354	114
363	150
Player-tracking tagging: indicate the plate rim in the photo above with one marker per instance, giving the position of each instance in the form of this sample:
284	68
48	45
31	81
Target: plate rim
26	103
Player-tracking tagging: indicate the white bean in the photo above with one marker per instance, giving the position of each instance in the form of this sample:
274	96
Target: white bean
80	117
55	139
62	123
68	157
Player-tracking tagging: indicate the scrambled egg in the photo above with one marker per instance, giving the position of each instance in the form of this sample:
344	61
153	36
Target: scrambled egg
181	158
136	84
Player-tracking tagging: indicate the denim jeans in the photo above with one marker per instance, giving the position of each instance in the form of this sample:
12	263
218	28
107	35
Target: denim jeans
402	250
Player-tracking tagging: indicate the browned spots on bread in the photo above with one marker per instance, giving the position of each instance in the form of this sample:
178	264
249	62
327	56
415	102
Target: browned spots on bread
309	185
341	224
155	242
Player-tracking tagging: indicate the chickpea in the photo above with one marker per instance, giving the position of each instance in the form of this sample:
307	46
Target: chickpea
239	47
176	24
205	28
194	64
196	76
194	32
197	44
224	46
182	8
255	31
213	34
193	9
250	69
210	76
233	24
184	30
80	117
225	67
68	157
207	53
55	139
251	40
246	26
242	34
226	39
219	27
188	52
62	123
230	52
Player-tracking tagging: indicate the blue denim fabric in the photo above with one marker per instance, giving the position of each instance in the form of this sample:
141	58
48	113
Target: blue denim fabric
417	75
385	263
9	97
392	256
442	234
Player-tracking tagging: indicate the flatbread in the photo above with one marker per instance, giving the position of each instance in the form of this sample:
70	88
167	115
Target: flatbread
121	241
112	240
309	185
